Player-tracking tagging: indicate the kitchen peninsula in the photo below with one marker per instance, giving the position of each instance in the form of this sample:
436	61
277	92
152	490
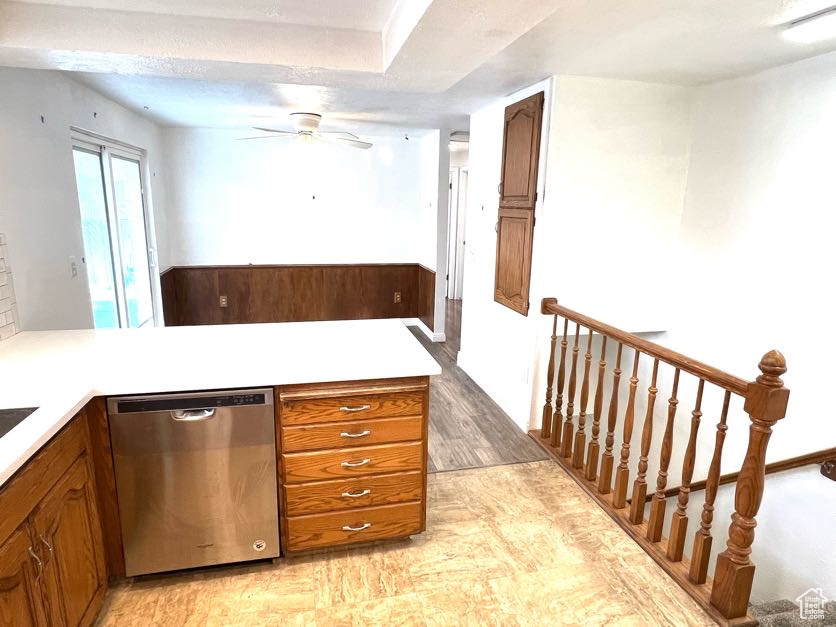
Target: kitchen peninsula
351	403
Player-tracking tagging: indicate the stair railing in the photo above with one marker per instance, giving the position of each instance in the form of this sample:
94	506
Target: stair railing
606	475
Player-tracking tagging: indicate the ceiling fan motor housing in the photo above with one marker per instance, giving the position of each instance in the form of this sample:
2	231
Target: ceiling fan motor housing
306	122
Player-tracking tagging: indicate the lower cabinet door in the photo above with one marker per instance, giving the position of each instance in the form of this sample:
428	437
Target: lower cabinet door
67	528
359	525
20	578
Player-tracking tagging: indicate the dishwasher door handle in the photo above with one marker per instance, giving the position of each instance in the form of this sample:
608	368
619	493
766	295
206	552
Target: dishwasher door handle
192	415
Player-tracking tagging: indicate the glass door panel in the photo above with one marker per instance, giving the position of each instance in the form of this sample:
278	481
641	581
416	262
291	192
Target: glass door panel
96	232
133	247
111	201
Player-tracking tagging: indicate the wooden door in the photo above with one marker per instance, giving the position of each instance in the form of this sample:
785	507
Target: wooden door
517	198
513	258
20	595
66	524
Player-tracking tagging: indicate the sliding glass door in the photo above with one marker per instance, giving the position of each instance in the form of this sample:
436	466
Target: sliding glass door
113	222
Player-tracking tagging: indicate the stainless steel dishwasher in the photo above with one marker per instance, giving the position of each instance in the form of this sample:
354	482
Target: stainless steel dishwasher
195	478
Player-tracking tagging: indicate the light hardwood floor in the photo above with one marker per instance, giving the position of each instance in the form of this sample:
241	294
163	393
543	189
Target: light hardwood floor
467	428
509	545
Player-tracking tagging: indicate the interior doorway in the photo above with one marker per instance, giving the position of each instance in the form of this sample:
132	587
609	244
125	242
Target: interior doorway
111	198
456	241
456	214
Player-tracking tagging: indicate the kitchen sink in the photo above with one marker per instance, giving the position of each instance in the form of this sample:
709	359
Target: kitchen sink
10	418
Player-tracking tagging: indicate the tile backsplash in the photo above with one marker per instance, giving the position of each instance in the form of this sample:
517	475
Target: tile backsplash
8	304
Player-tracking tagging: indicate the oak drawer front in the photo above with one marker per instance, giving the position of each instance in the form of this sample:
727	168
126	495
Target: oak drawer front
349	407
340	494
360	525
355	433
352	462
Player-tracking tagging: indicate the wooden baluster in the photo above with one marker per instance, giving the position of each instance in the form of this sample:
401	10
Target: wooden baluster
766	404
657	508
640	484
702	539
546	424
580	436
598	405
622	473
557	424
679	522
568	424
605	478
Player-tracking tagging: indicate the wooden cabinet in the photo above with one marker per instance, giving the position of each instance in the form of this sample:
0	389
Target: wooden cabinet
67	528
353	462
52	563
20	592
517	198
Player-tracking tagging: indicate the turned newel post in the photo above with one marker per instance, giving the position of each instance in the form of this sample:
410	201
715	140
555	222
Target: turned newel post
766	404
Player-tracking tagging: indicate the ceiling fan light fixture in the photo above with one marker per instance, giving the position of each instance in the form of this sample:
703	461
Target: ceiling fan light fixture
812	28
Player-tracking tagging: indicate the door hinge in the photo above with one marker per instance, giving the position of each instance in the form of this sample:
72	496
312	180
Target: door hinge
447	277
535	196
451	186
533	222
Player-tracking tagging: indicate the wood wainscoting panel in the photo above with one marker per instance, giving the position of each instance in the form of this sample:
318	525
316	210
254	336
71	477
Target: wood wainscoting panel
426	296
168	292
196	293
293	293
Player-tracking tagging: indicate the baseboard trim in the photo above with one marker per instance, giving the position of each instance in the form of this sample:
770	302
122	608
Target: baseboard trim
416	322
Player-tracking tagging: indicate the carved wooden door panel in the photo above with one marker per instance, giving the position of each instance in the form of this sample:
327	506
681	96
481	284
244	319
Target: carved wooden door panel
66	524
20	593
517	197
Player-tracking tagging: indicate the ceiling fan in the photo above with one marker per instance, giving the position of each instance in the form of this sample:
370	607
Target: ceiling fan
307	130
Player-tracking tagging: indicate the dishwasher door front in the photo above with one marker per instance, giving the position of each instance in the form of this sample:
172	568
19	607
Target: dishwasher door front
195	478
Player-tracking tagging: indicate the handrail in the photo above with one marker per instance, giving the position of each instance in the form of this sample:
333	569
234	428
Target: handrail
710	374
782	465
725	596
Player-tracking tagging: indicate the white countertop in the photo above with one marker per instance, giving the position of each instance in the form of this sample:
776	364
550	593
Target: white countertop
60	371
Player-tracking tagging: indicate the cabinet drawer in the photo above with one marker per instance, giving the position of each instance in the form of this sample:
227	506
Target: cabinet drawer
340	494
360	525
352	462
351	407
354	433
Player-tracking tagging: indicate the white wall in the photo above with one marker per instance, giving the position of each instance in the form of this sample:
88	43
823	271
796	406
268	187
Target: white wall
614	157
278	201
38	201
428	200
499	346
757	238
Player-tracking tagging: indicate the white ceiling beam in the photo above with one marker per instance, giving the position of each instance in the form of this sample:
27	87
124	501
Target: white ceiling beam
59	29
403	20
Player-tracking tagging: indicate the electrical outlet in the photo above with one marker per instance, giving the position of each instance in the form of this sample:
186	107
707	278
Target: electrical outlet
224	302
397	297
73	267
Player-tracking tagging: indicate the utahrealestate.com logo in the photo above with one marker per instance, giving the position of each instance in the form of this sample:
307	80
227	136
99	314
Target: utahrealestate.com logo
811	604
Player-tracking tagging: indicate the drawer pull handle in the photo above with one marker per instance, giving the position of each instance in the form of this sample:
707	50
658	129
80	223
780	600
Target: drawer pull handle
356	464
356	495
345	434
360	528
358	408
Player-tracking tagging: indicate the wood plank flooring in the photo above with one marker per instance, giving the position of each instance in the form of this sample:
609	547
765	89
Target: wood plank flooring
509	545
467	429
452	328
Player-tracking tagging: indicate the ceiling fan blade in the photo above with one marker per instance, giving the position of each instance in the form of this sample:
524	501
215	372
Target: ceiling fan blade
282	136
344	133
345	141
274	130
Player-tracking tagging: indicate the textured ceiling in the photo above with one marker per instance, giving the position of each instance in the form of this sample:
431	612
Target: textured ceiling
383	64
370	15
